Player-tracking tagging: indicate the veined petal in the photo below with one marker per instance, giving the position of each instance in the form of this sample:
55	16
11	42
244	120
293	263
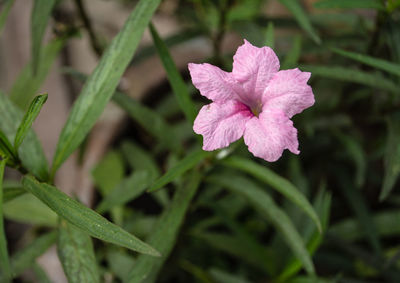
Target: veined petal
221	123
212	82
270	134
254	67
288	91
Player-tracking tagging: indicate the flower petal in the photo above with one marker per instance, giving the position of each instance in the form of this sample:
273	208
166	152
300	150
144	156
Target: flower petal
254	67
270	134
221	123
212	82
288	91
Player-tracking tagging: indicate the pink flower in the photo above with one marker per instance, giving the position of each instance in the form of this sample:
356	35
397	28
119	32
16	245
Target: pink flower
255	101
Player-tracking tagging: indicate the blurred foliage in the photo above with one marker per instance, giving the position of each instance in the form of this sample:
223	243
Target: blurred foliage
330	214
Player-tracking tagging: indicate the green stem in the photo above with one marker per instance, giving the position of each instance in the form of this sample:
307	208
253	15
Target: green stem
4	260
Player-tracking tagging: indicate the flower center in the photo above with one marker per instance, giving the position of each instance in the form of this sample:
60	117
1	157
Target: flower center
256	109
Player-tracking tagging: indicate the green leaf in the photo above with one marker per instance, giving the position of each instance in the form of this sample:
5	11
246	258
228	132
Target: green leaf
292	57
40	274
267	207
227	277
231	245
27	83
6	148
41	13
4	13
149	119
392	157
75	250
275	181
196	271
84	218
347	4
183	166
374	80
102	83
28	209
11	192
129	189
270	35
323	207
370	61
359	206
120	263
163	237
175	79
140	159
4	260
109	172
28	119
30	151
25	258
357	156
386	223
300	15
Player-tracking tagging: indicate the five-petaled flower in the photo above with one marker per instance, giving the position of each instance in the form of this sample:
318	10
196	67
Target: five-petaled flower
255	101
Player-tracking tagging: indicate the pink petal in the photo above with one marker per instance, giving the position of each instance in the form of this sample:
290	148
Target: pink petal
270	134
221	123
253	67
288	91
212	82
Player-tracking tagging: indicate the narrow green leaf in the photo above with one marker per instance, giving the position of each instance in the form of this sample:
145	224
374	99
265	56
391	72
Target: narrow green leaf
267	207
28	119
102	83
4	13
231	245
40	274
28	209
270	35
357	156
323	207
183	166
40	16
386	223
275	181
10	193
6	148
84	218
4	261
30	151
163	237
227	277
359	206
347	4
120	263
370	61
257	250
175	79
25	258
300	15
27	83
129	189
149	119
196	271
75	250
392	157
292	57
140	159
109	172
374	80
